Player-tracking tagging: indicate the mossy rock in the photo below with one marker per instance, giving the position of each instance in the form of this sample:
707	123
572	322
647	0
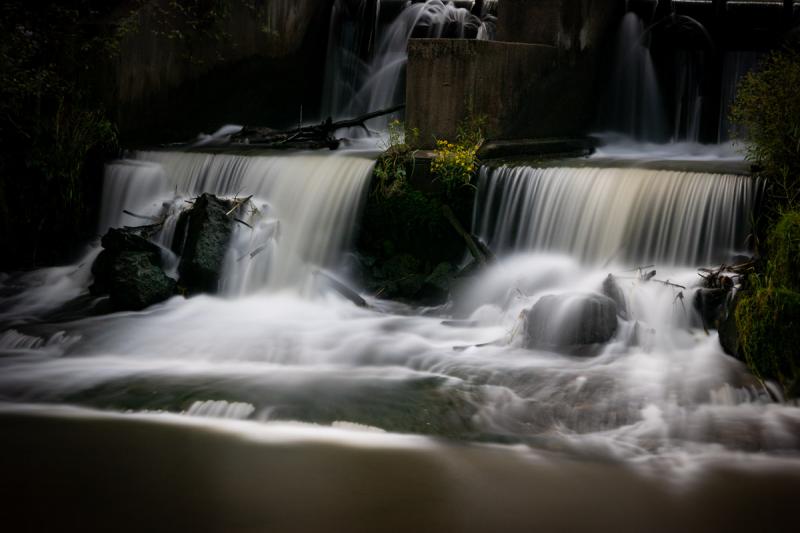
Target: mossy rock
136	282
727	328
783	245
202	239
129	271
768	320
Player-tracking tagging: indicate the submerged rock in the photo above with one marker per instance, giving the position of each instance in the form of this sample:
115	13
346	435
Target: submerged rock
612	289
201	238
436	287
710	305
129	271
728	331
570	321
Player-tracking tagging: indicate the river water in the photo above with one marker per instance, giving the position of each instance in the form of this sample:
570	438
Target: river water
279	405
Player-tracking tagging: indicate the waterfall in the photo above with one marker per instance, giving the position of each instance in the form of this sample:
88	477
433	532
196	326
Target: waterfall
677	93
616	214
366	62
635	105
302	216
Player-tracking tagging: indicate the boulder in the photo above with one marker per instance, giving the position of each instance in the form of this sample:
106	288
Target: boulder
124	240
436	287
137	283
129	271
400	276
201	239
570	322
612	290
710	305
728	330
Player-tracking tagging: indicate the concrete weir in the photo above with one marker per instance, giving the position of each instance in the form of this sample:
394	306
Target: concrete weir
538	80
449	77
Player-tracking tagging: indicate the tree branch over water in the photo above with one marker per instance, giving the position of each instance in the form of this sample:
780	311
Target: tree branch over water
312	137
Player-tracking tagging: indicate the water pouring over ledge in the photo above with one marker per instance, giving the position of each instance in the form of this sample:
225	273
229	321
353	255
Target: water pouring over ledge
623	215
660	397
366	60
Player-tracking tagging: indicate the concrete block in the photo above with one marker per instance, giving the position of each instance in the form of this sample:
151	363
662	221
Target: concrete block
521	89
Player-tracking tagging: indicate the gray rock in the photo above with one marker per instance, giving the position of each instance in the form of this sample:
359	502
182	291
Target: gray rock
201	239
612	290
710	305
436	287
570	321
137	283
728	331
129	271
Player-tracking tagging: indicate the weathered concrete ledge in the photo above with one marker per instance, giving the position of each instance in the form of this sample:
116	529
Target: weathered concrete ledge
447	79
549	148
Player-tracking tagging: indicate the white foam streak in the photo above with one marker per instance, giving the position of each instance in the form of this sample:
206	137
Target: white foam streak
625	215
303	208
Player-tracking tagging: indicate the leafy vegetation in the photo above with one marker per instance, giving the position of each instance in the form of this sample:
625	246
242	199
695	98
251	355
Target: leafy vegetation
768	320
783	248
767	114
454	164
52	56
392	166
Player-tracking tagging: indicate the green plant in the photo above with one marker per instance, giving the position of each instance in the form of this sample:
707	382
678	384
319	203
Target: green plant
768	320
766	114
51	123
454	164
397	157
783	247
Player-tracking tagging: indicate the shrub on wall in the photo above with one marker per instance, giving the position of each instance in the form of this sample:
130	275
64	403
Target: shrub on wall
767	113
783	246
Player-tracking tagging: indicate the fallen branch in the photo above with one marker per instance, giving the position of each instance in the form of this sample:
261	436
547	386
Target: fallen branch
342	289
237	204
649	277
143	217
726	276
480	252
313	137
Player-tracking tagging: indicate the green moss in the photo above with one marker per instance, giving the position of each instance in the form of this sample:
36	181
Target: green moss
768	320
784	252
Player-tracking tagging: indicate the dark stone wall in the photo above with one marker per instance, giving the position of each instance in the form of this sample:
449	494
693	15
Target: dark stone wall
448	78
568	24
263	62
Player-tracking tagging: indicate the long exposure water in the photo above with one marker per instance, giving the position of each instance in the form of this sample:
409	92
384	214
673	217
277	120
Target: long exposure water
278	356
278	401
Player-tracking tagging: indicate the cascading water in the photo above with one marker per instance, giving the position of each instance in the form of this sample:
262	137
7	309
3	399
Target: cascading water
676	93
361	77
634	105
286	366
272	381
621	215
304	207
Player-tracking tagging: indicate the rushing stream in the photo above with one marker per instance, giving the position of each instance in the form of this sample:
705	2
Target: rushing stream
278	401
277	348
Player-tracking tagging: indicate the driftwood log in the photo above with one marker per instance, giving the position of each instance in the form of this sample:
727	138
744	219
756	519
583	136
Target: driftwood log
314	137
